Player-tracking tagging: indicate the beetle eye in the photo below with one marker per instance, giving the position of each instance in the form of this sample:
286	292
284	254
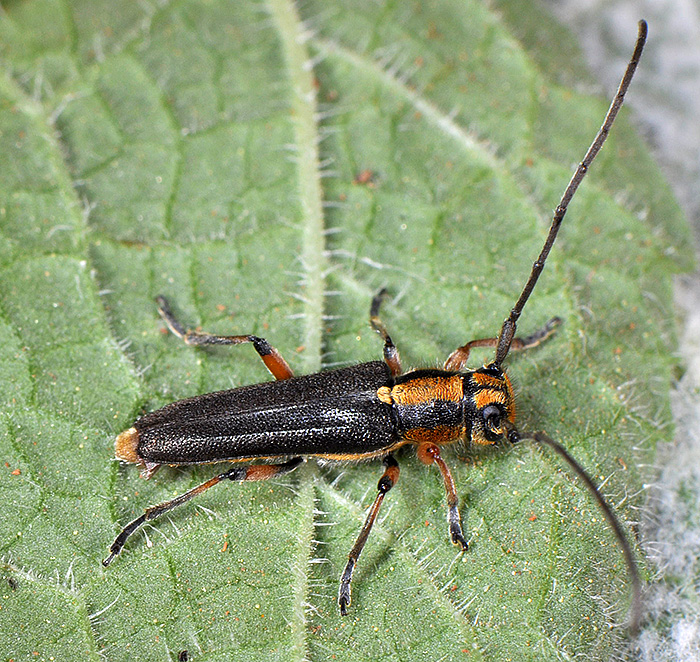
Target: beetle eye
492	418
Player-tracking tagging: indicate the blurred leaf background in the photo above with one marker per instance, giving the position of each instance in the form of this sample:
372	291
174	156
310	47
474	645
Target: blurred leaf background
189	149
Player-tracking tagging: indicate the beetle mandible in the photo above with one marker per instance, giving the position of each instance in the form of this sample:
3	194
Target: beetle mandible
359	412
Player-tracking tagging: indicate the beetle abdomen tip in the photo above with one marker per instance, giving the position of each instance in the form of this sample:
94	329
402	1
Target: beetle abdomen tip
126	446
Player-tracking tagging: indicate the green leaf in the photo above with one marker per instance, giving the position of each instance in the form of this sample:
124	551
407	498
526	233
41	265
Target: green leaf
188	149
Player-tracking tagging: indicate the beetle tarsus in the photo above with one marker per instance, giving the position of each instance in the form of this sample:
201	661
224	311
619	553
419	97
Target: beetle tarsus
456	533
344	592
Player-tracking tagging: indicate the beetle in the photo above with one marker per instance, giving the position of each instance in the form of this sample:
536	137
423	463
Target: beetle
359	412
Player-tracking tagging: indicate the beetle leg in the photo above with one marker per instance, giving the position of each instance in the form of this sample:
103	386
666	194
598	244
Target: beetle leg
458	359
429	453
238	473
391	354
386	482
271	357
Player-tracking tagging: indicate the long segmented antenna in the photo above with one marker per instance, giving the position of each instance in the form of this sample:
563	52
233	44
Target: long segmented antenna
508	329
632	568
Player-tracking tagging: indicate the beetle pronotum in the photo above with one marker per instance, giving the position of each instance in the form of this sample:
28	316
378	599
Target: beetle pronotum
359	412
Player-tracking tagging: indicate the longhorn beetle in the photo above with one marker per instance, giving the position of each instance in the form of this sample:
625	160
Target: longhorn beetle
359	412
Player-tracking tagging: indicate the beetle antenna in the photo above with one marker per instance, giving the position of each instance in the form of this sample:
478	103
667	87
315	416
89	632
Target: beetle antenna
632	568
508	329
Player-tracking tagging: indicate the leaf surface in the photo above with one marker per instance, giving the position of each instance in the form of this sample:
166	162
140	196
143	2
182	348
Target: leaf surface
188	149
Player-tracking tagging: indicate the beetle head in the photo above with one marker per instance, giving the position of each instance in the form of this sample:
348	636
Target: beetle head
491	401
